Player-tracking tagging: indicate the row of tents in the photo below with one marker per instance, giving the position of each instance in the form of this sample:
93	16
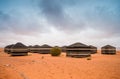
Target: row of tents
74	50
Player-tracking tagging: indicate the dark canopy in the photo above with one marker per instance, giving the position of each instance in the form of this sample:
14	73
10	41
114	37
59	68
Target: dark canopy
108	46
78	44
91	46
9	46
19	45
36	46
46	46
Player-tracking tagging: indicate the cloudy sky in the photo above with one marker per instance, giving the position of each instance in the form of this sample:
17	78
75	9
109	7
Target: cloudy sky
60	22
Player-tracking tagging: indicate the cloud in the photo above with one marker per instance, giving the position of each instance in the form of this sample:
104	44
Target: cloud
44	20
54	12
105	17
4	18
21	23
77	16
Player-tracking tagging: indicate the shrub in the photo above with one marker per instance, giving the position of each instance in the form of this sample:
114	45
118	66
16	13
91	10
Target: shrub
55	51
42	57
88	58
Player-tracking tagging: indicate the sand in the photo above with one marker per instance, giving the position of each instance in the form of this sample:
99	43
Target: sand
44	66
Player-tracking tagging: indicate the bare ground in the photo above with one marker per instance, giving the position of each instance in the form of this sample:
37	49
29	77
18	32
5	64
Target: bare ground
40	66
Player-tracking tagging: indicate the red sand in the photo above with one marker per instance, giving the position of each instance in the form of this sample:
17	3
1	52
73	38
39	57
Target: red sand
40	66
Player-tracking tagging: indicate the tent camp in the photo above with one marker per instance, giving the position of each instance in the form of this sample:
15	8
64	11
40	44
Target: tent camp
34	49
93	49
19	49
7	49
78	50
108	49
45	49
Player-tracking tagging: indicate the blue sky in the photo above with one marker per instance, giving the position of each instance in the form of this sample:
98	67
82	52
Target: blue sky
60	22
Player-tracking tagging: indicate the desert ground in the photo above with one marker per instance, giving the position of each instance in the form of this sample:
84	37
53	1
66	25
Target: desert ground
44	66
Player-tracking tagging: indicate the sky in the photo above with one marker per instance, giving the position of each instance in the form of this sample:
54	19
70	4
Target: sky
60	22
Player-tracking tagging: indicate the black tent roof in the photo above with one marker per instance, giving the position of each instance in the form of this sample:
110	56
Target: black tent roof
19	45
92	46
36	46
46	46
108	46
9	46
78	44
